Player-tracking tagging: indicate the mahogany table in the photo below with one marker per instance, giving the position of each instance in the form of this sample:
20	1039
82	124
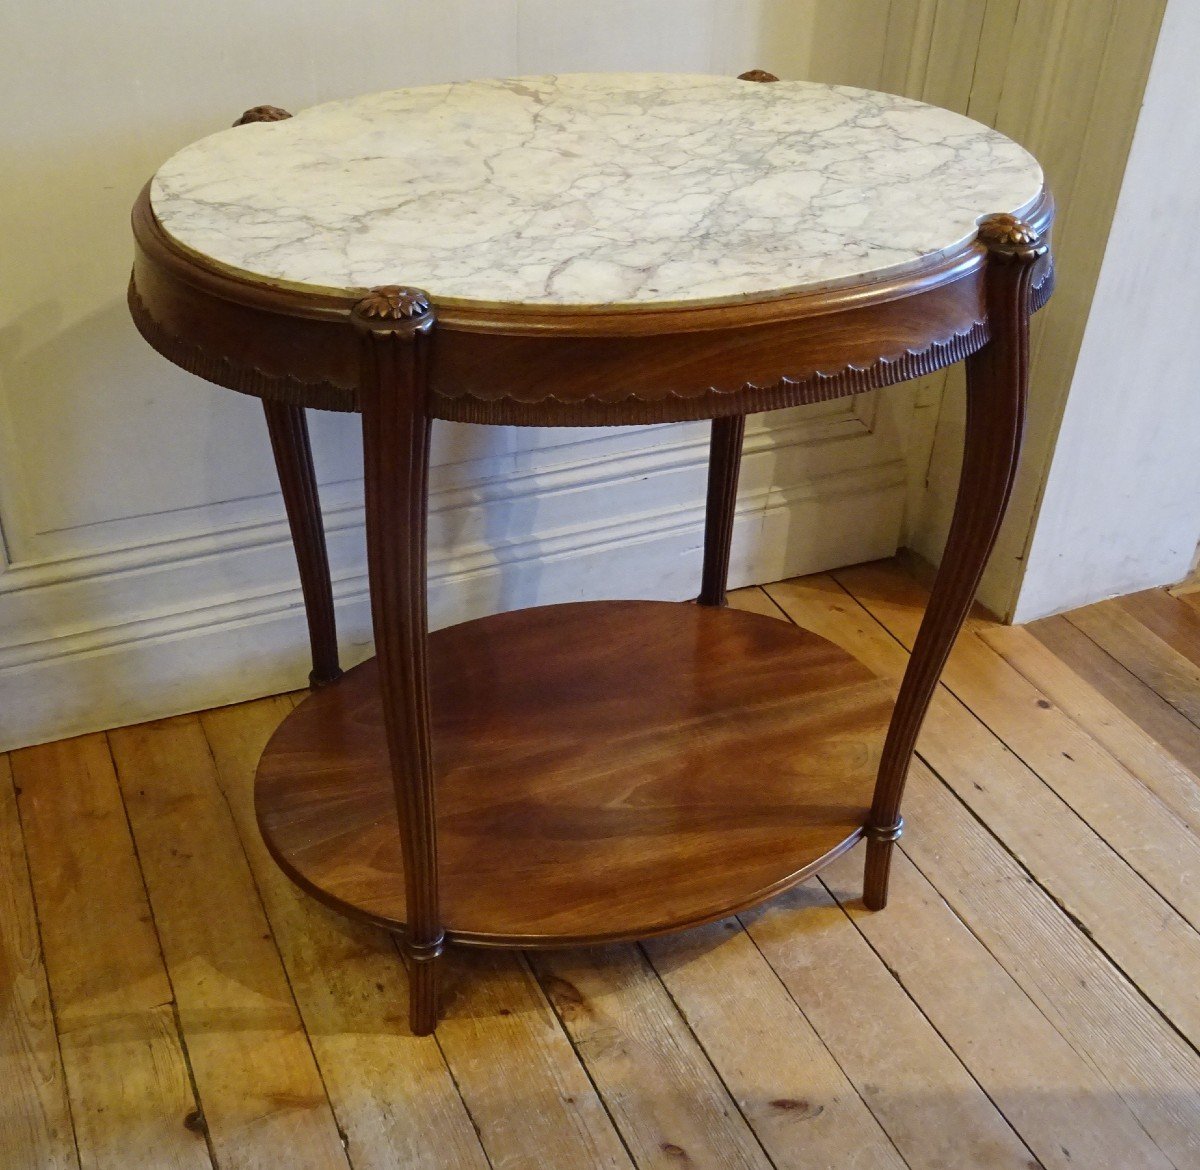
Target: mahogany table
591	250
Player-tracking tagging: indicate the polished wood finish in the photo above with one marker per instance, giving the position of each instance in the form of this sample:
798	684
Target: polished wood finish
288	429
532	365
724	463
604	770
395	327
997	385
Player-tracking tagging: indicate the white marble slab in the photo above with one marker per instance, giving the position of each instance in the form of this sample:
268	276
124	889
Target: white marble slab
593	189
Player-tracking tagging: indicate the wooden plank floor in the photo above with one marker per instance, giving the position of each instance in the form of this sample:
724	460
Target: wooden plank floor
1030	998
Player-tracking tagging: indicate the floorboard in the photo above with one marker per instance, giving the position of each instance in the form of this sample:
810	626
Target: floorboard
1163	668
786	1083
127	1071
1108	678
663	1094
35	1119
1129	743
1094	784
1027	999
1130	921
259	1085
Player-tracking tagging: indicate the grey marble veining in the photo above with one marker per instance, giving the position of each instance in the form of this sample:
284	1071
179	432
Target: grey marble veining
593	189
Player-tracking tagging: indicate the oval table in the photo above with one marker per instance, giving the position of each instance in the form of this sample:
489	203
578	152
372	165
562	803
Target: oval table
591	250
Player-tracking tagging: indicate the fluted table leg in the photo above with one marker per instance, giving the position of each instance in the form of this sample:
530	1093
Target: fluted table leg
396	325
997	382
724	464
288	428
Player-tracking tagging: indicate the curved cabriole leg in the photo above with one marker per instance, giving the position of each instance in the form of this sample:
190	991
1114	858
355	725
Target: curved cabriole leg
997	380
288	429
396	328
724	462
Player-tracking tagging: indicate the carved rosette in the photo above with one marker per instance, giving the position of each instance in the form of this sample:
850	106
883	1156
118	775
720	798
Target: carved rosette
262	114
393	302
757	75
1009	238
394	308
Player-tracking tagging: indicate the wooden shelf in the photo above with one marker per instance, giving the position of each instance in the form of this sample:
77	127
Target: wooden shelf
604	770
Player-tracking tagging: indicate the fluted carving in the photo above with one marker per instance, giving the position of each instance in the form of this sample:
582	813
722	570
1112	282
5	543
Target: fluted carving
724	465
288	429
396	426
997	383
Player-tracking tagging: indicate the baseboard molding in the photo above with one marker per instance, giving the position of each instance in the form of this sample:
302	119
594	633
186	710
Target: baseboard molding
241	649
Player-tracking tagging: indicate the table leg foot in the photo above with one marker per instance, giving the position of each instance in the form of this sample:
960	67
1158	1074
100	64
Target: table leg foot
424	980
880	845
317	679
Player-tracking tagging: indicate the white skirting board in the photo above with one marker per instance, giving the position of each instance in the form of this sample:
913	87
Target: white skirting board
216	617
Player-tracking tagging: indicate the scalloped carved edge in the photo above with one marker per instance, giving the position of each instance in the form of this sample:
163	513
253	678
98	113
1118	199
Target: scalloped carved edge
712	401
1043	289
708	402
320	395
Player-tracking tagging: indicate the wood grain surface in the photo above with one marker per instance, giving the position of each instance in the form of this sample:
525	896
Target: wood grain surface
35	1118
121	1043
608	794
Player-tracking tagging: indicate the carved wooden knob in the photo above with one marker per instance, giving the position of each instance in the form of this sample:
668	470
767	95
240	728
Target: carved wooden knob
757	75
262	114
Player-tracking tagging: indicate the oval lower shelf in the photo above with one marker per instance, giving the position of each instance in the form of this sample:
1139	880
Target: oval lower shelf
605	770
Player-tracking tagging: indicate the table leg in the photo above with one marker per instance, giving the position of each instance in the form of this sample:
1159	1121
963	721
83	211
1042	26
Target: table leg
724	463
288	428
396	327
997	381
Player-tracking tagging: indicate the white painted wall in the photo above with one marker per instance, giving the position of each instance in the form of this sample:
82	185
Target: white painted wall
1121	509
146	567
1065	80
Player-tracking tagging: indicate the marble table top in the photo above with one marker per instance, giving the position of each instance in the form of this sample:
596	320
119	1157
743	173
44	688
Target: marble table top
589	189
